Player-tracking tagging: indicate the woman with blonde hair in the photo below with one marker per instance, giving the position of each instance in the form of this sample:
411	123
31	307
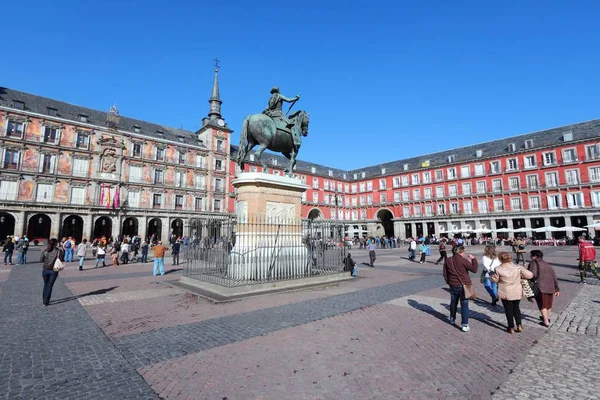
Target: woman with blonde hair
508	276
490	263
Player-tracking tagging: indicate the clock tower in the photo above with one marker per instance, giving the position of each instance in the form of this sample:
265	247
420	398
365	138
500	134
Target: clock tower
215	135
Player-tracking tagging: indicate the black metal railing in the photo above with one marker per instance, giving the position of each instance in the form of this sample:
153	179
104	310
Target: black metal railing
228	251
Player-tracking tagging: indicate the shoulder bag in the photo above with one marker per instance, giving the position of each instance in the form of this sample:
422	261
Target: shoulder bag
58	265
468	290
526	285
482	278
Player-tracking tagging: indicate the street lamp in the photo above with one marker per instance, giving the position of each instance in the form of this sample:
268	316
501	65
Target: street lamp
2	219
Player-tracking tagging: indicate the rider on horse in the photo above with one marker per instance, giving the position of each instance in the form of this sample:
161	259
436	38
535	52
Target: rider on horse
274	108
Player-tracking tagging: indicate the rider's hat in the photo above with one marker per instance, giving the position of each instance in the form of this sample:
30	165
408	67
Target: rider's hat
275	89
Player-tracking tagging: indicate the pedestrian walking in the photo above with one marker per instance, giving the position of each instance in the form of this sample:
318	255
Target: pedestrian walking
490	262
114	253
372	256
23	253
423	251
8	249
545	279
19	249
48	258
81	250
101	254
443	254
587	259
144	248
520	249
349	265
125	252
456	274
68	249
159	258
412	248
175	251
508	277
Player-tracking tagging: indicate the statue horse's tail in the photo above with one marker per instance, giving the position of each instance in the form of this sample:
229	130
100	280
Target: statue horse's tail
243	150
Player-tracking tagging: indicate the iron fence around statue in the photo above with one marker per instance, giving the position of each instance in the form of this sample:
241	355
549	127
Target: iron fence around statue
231	252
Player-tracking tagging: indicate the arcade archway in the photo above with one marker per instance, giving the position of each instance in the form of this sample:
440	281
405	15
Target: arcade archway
177	227
7	226
385	216
154	228
73	226
315	213
38	227
102	227
130	227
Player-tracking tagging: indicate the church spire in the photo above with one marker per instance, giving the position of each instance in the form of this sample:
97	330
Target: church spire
215	98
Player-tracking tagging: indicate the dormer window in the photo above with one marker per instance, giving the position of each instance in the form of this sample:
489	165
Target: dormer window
405	167
382	171
567	136
19	105
344	176
451	158
51	111
355	176
330	173
274	161
512	147
160	133
313	170
363	174
137	128
529	144
251	157
478	153
83	118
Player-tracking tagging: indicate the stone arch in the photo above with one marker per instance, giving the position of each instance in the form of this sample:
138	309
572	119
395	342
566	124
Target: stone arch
177	227
102	227
72	225
154	228
7	225
314	213
39	227
385	217
130	226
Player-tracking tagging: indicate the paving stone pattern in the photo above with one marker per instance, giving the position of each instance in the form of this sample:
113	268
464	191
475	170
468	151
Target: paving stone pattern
157	346
58	352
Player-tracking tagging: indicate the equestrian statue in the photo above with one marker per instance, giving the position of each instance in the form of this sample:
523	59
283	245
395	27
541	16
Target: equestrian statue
275	131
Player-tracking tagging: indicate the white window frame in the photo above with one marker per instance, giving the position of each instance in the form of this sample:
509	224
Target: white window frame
439	175
533	199
43	135
573	195
526	161
515	200
496	202
545	161
465	171
451	173
556	176
9	190
482	210
480	190
594	174
569	178
513	179
510	162
50	192
537	181
79	200
469	189
570	160
495	167
15	122
554	196
479	169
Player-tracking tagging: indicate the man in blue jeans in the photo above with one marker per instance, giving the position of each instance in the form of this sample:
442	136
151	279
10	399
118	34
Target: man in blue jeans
456	274
159	258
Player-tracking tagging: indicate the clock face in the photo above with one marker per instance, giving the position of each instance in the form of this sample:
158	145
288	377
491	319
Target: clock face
221	122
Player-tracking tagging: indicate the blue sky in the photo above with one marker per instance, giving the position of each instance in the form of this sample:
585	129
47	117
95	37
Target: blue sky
382	80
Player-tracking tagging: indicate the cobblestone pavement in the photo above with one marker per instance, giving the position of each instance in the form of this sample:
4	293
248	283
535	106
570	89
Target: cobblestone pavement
383	335
564	364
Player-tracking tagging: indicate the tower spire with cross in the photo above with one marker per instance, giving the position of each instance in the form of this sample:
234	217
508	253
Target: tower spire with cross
215	98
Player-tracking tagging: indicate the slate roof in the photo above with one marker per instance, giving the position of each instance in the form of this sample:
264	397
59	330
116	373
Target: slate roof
40	105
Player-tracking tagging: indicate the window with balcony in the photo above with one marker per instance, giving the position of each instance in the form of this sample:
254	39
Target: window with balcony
160	154
595	199
417	211
481	187
179	179
370	186
363	200
405	195
465	171
441	209
406	211
594	174
82	141
404	180
50	135
513	183
551	179
218	185
479	169
44	193
468	207
354	188
549	158
529	161
439	192
369	199
15	129
427	177
512	164
454	208
569	156
325	184
396	197
496	185
200	161
220	145
592	152
136	150
158	176
133	199
532	182
178	202
428	210
451	173
499	205
181	157
572	176
339	186
466	188
217	205
416	194
575	200
515	204
382	184
482	206
47	163
427	193
495	167
383	198
439	175
534	203
135	173
156	200
554	202
354	201
218	165
452	190
315	183
8	190
396	182
415	179
78	195
199	182
199	204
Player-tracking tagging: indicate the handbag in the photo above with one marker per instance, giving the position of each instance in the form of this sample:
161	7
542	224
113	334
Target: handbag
468	290
482	277
58	265
526	285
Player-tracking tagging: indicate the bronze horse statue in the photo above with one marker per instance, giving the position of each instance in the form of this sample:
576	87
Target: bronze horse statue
260	129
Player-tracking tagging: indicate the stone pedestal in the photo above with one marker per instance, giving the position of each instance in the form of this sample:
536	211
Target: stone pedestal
269	228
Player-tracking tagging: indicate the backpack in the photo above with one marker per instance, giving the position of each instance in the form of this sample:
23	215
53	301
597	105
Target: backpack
68	244
521	247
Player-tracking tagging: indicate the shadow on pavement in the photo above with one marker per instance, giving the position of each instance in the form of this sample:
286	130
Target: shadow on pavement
430	310
95	292
172	270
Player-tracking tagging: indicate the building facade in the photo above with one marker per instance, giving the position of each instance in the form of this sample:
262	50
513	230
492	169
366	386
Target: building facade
72	171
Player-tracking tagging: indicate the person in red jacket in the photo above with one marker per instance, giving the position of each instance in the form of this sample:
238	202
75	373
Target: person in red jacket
587	259
456	274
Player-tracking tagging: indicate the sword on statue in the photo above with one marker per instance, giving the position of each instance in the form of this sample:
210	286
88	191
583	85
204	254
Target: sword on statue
292	105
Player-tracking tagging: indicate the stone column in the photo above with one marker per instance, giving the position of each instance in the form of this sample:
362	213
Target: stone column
87	231
165	229
20	224
142	227
56	223
528	226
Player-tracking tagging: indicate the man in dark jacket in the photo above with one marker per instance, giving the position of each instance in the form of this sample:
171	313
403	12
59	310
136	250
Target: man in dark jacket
349	264
545	278
9	248
456	274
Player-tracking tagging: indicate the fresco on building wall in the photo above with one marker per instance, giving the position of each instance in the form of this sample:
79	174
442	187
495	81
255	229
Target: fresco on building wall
33	130
168	199
61	192
148	151
30	160
26	190
64	165
145	199
147	174
170	153
190	179
67	137
169	176
88	195
189	202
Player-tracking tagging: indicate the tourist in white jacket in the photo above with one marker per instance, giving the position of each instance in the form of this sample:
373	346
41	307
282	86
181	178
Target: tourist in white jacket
490	263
